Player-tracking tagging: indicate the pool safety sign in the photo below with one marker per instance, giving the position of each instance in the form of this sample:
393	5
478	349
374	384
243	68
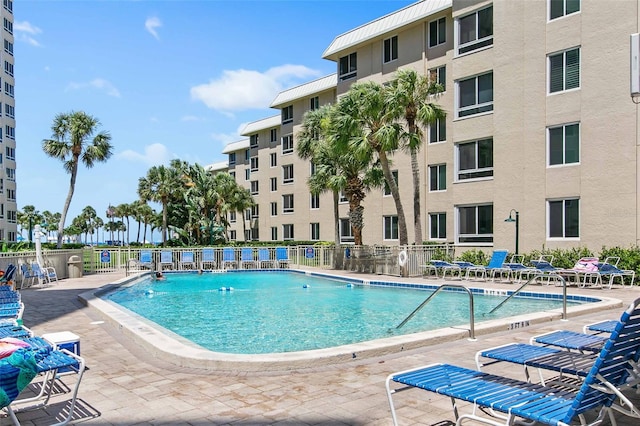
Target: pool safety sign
105	256
310	253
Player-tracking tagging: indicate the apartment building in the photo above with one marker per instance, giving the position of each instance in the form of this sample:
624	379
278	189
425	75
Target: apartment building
540	122
8	206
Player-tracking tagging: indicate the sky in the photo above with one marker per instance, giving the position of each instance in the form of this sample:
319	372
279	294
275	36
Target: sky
168	79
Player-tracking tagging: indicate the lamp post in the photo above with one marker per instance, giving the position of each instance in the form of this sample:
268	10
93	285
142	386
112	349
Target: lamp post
517	221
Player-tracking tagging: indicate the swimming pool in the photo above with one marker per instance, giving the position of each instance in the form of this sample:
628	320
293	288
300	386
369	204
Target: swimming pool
288	311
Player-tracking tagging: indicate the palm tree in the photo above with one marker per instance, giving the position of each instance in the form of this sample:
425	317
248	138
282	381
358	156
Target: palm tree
361	117
146	215
74	139
160	185
125	211
28	218
51	221
408	98
88	215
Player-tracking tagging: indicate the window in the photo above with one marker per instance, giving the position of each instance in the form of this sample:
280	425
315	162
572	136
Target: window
273	159
254	164
273	184
560	8
287	173
255	211
287	144
439	75
10	131
475	95
475	224
8	68
314	103
10	153
247	214
9	110
437	32
475	159
233	174
564	218
233	235
342	198
475	31
315	231
11	215
255	234
232	217
438	131
11	194
564	71
274	209
11	174
8	26
287	231
287	203
564	144
254	187
315	201
312	168
390	227
8	4
438	177
287	114
437	226
232	158
274	233
387	189
247	174
8	46
346	232
253	141
390	49
348	67
8	89
273	135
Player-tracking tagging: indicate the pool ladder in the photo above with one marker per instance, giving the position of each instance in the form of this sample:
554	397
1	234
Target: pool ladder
472	334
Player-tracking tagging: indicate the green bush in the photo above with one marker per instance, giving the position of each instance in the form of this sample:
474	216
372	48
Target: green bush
477	257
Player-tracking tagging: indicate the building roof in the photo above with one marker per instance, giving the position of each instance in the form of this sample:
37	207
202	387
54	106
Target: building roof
400	18
265	123
236	146
219	166
306	89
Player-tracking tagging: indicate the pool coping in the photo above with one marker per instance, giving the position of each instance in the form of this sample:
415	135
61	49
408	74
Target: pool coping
170	347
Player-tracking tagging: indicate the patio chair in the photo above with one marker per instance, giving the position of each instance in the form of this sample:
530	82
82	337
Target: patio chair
27	277
229	258
518	269
264	258
282	257
43	275
166	260
584	272
443	267
513	399
609	269
208	259
468	268
146	259
187	261
246	258
8	276
496	266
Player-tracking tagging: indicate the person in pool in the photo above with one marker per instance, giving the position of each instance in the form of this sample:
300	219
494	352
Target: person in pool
159	277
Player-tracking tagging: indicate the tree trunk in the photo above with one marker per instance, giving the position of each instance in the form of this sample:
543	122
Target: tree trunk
164	222
338	260
67	202
403	239
417	217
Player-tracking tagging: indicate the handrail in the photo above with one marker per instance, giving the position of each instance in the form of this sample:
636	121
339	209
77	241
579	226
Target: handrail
472	335
535	277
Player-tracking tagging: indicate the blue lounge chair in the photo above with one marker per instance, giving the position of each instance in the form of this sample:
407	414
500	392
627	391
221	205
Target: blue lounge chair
229	258
27	278
9	273
282	257
246	258
609	270
606	326
469	269
187	261
442	268
43	275
549	405
264	258
146	259
208	259
166	260
496	266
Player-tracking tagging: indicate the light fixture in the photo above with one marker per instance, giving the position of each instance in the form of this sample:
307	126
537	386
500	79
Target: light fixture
517	221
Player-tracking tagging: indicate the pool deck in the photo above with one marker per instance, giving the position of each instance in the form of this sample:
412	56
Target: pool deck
126	385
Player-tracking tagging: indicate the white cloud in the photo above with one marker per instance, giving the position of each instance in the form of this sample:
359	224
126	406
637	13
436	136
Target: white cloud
238	90
97	83
153	155
25	31
226	138
151	24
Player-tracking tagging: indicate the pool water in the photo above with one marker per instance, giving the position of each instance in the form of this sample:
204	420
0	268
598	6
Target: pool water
273	312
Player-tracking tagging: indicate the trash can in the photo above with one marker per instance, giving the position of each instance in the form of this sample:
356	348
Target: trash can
75	267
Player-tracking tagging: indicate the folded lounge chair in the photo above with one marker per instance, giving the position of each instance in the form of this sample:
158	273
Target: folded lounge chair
264	258
508	399
282	257
166	260
246	258
229	258
187	261
208	259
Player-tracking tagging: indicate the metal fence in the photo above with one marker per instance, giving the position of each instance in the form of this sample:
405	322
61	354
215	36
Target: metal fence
385	260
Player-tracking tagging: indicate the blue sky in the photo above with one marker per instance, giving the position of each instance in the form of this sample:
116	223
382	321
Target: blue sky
167	79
